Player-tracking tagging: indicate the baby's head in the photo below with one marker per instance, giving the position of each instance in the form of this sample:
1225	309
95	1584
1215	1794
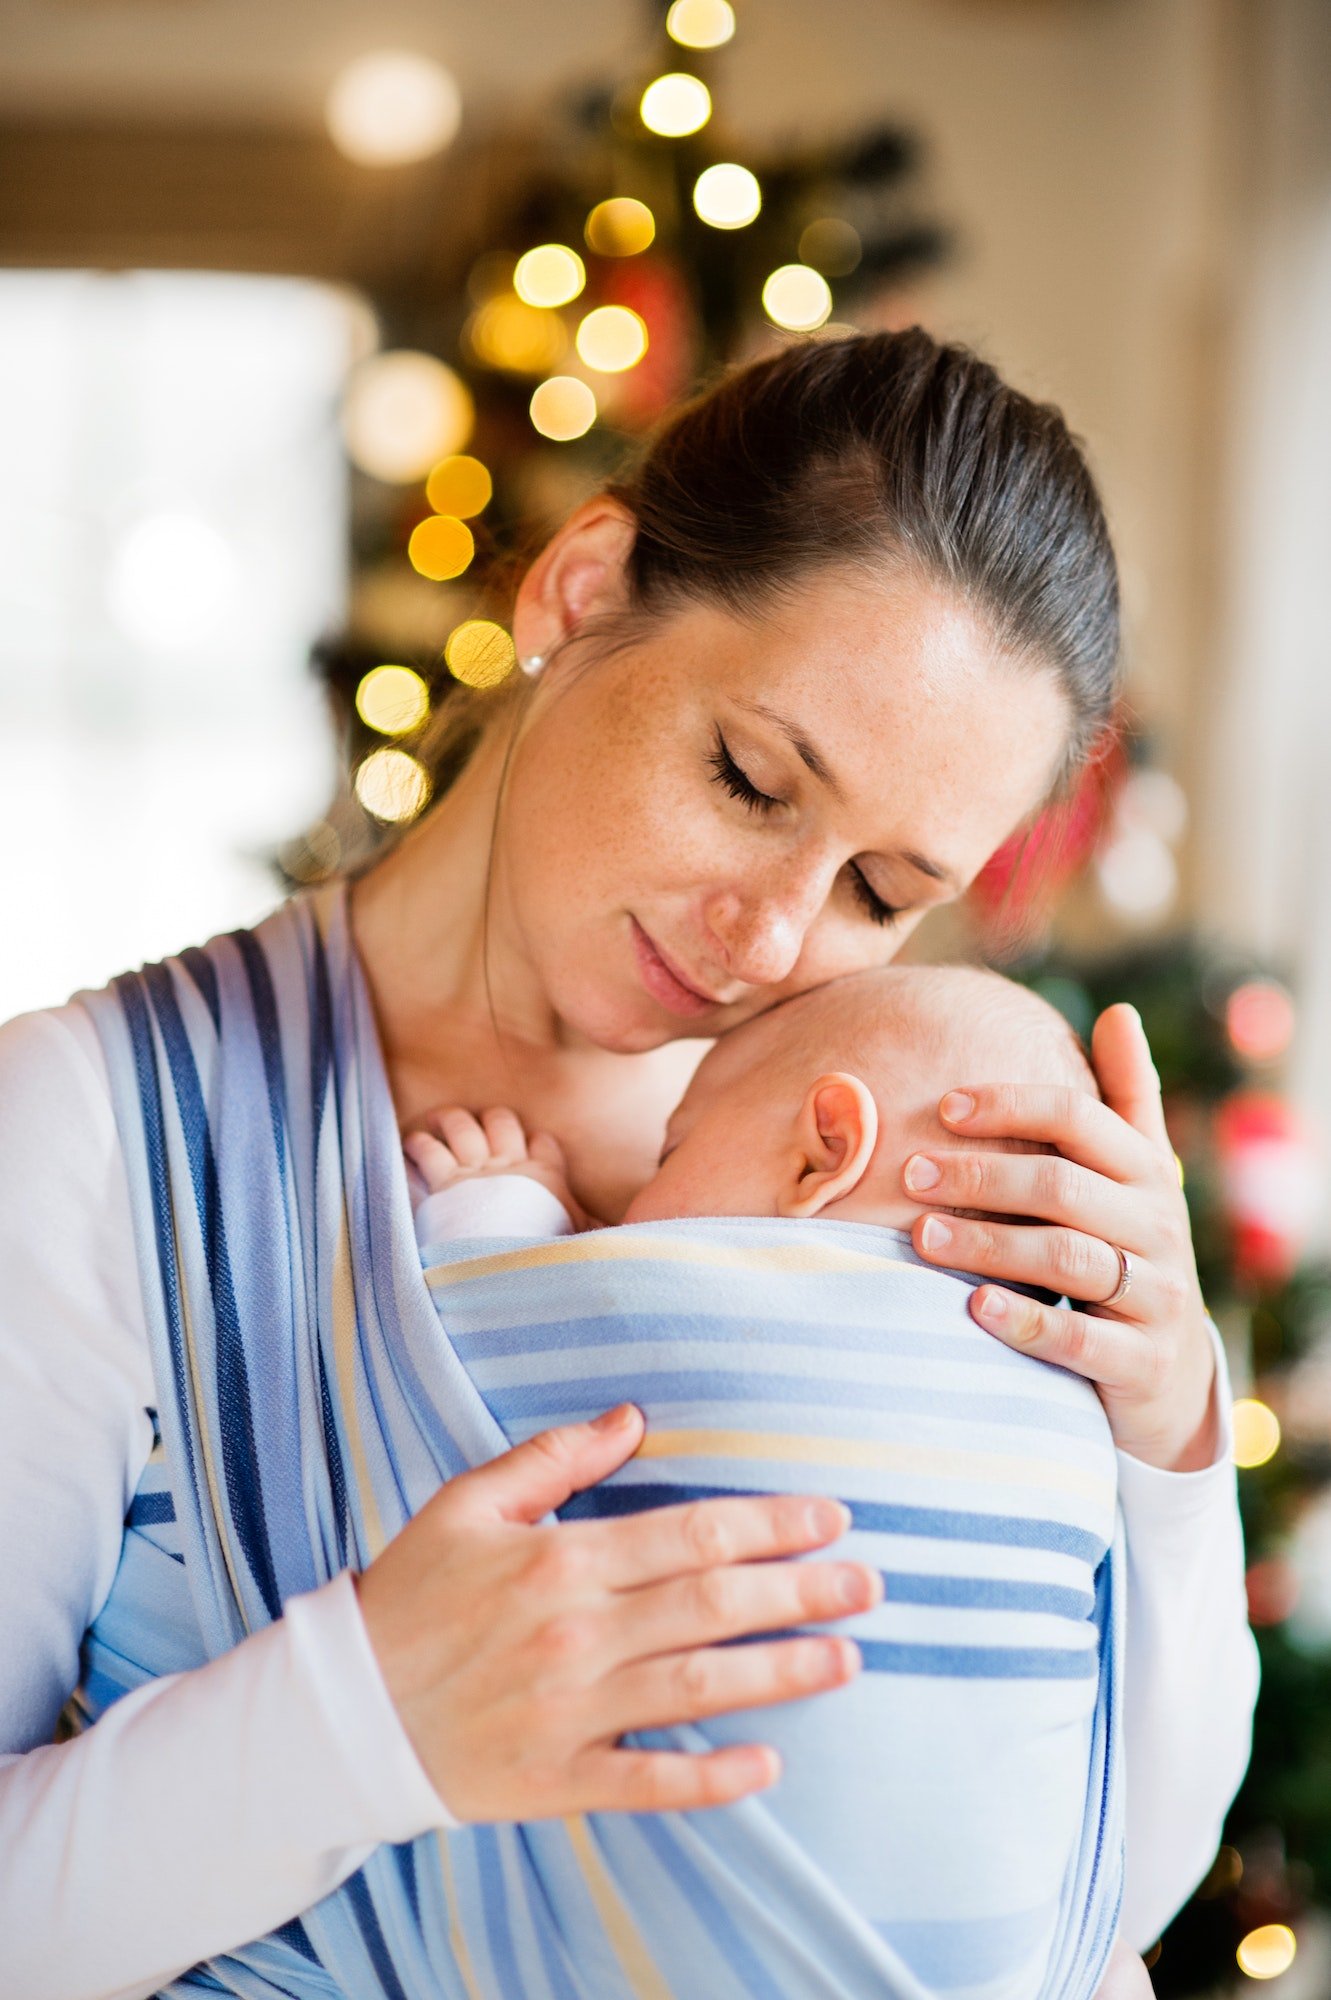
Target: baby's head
814	1107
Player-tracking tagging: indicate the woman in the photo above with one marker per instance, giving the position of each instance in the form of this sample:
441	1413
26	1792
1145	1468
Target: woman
848	624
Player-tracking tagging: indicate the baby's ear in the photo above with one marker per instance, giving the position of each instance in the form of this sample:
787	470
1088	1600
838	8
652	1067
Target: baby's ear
837	1130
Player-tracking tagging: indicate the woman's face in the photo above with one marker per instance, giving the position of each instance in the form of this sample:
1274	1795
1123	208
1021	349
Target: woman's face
733	810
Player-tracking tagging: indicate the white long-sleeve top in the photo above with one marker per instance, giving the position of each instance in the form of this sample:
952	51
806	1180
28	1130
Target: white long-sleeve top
209	1807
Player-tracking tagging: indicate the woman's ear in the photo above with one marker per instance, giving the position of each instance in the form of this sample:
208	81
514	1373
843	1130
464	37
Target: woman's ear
580	569
837	1132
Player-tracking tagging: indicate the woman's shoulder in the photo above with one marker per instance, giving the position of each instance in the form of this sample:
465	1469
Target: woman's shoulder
51	1054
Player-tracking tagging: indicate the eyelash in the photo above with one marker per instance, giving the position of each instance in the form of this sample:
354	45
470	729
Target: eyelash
735	780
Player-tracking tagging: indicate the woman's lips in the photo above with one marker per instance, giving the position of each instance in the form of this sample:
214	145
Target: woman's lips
663	982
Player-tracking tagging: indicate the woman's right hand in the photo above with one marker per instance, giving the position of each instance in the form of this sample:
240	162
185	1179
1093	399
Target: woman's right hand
516	1655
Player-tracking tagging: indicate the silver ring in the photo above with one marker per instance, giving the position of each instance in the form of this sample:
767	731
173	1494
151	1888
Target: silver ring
1124	1285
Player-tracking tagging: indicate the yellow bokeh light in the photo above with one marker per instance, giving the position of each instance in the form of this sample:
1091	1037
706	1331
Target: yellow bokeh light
392	785
701	24
479	653
831	246
611	339
797	298
675	105
392	700
402	413
525	340
727	196
549	276
1268	1951
1256	1433
563	408
441	547
390	107
459	485
620	227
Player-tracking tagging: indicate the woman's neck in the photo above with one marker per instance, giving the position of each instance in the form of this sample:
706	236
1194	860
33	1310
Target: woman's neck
462	1017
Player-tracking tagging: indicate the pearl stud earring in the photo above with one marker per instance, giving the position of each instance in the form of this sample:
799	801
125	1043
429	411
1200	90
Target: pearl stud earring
531	663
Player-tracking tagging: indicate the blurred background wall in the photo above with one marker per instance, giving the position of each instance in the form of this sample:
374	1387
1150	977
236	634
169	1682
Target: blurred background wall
207	278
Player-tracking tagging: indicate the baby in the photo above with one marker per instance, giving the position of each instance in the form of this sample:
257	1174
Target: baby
811	1109
808	1114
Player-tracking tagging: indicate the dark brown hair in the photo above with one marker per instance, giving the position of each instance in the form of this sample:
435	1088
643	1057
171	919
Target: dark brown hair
874	449
885	445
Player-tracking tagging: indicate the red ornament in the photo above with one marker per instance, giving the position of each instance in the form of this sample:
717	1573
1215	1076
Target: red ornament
1017	885
653	287
1272	1181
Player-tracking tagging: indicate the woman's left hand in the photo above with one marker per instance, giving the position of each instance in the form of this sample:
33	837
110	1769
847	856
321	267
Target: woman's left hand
1111	1184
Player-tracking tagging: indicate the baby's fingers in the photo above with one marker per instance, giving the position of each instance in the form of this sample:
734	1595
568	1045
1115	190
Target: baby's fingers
431	1156
503	1130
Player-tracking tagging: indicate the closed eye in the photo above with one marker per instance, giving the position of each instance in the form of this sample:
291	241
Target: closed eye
735	780
870	901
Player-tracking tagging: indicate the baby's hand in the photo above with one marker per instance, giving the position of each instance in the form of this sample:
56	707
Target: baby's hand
453	1145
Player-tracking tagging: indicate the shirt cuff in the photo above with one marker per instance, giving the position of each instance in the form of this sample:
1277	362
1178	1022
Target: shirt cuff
491	1205
1152	1493
329	1639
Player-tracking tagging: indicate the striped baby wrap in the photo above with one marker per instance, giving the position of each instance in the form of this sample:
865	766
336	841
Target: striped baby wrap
950	1824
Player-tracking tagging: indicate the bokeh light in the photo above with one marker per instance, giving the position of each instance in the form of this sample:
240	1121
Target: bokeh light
390	107
392	700
525	340
1256	1433
562	408
550	275
1268	1951
611	339
312	855
1259	1020
700	24
459	485
831	246
675	105
620	227
403	412
797	298
1137	873
727	196
479	653
170	578
392	785
441	547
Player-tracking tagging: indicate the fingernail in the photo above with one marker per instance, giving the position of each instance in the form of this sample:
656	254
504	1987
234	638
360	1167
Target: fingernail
852	1589
920	1173
956	1107
935	1235
826	1519
616	1419
993	1306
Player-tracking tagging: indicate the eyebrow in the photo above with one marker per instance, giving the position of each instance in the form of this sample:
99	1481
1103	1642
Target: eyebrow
814	762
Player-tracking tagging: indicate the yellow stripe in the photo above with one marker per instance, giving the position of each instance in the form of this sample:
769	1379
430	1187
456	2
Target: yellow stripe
202	1404
640	1968
871	1455
610	1247
456	1936
344	1350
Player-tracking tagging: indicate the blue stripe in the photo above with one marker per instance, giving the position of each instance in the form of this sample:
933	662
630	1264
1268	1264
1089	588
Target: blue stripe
663	1840
240	1457
581	1395
148	1508
979	1663
986	1593
204	974
357	1891
1017	1531
135	1008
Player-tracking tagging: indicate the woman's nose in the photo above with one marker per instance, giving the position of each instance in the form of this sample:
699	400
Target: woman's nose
759	938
